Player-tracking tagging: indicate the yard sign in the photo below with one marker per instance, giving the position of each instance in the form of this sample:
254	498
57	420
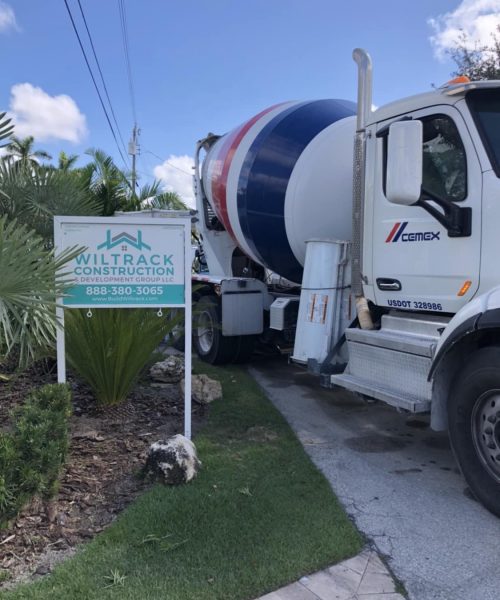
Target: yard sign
127	262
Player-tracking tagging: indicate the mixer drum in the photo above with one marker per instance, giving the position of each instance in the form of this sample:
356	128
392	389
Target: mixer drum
282	178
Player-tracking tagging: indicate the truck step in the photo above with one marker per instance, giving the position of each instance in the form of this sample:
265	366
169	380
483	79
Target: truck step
415	324
361	386
397	357
392	340
417	334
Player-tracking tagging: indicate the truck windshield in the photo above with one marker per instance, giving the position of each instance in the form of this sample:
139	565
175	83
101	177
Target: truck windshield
485	108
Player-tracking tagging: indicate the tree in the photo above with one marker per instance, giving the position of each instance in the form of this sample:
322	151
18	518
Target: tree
476	61
20	151
34	196
110	187
151	196
169	200
65	162
107	184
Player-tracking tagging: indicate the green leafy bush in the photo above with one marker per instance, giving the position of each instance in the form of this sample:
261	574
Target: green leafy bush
110	349
31	279
31	455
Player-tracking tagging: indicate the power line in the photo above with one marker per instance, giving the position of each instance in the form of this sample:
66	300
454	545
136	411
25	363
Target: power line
102	77
126	49
168	163
95	83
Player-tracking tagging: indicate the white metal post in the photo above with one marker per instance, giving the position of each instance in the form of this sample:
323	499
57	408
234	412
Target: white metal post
187	329
60	343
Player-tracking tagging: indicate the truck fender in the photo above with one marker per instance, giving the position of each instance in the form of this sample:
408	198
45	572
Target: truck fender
473	326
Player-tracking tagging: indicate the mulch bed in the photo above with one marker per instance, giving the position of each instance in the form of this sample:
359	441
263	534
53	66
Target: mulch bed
107	450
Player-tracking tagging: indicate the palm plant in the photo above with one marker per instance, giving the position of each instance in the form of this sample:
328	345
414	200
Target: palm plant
20	152
106	183
169	201
34	196
110	349
151	196
31	279
65	162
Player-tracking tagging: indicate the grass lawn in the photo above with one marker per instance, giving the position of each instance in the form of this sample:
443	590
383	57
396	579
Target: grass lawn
258	516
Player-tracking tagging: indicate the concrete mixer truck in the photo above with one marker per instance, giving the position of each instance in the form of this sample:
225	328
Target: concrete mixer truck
368	240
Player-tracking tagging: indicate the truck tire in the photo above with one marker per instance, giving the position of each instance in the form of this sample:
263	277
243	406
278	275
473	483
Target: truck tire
474	425
209	343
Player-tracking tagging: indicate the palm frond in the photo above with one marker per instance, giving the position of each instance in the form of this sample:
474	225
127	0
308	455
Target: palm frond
31	280
6	127
34	197
110	349
168	201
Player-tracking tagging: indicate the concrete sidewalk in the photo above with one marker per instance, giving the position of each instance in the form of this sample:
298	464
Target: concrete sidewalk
364	577
398	480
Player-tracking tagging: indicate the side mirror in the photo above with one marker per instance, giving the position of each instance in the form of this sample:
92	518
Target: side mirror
404	162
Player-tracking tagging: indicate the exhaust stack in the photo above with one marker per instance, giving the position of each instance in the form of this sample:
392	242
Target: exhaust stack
364	62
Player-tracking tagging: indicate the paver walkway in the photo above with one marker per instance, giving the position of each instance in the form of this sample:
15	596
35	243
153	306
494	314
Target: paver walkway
364	577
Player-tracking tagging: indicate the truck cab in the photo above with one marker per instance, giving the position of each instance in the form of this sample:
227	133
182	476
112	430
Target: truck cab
418	259
429	245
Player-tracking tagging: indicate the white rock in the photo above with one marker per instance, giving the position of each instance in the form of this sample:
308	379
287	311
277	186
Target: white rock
172	461
203	389
170	370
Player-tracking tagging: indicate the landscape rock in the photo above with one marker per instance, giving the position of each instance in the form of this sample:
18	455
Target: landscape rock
204	390
170	370
172	461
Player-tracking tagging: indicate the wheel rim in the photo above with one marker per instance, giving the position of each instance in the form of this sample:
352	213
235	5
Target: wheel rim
486	431
205	332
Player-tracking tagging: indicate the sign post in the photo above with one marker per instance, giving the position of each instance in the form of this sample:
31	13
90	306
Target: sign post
127	262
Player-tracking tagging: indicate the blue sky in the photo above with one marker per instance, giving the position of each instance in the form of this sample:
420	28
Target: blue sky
207	65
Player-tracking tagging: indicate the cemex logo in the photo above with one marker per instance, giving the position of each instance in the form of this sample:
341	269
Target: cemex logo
397	234
123	238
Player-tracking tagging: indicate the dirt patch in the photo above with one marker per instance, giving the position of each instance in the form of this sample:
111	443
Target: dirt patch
107	449
260	433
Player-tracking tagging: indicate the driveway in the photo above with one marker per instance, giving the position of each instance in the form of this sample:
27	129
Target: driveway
398	480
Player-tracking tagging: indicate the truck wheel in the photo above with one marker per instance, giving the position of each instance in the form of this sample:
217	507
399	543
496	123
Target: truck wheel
210	345
474	425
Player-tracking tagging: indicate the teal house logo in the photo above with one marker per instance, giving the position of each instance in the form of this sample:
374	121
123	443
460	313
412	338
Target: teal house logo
124	238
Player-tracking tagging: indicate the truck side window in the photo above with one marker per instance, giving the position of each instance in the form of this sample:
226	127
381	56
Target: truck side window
444	162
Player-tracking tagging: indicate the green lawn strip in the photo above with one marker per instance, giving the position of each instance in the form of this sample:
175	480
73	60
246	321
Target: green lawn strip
258	516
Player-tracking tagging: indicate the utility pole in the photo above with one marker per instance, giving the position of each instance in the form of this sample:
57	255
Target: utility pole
133	150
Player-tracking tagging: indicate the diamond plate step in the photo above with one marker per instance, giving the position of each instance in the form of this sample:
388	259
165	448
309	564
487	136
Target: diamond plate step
392	340
422	325
361	386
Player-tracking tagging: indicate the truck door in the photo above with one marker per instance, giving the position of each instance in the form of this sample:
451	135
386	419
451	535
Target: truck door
415	264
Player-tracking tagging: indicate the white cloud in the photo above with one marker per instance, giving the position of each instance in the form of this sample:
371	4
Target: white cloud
7	17
477	19
176	173
46	117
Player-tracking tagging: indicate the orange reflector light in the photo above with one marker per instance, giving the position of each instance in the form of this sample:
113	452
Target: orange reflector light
460	79
465	288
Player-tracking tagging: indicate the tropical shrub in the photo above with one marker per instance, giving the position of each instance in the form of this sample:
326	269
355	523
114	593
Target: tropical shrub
111	348
32	455
33	196
31	279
